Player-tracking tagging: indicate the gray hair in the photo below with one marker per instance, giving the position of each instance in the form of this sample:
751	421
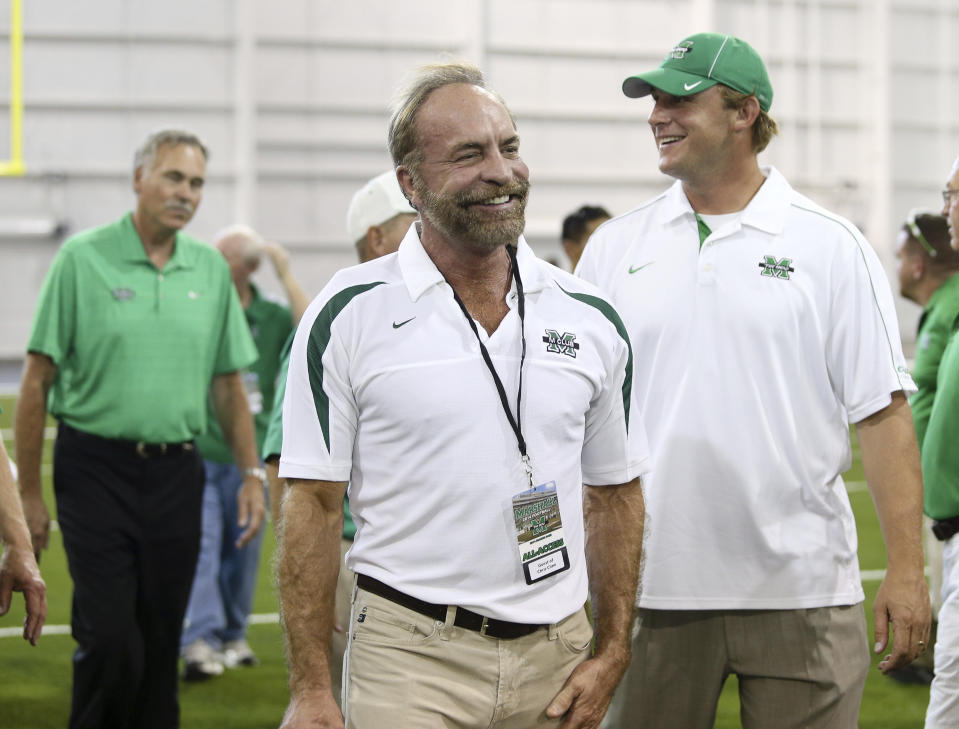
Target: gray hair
252	241
411	97
146	154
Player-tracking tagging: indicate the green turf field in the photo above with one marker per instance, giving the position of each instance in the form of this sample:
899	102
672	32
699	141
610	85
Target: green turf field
35	682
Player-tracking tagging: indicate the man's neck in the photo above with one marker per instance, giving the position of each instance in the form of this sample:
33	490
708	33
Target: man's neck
158	244
480	278
926	288
245	292
727	191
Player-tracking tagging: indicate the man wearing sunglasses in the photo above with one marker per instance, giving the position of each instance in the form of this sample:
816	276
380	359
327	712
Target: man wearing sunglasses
940	468
925	268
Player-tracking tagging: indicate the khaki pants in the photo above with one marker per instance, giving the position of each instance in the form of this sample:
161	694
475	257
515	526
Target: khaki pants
796	668
407	670
344	592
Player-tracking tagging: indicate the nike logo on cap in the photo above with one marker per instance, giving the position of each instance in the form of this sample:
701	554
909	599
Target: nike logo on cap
689	87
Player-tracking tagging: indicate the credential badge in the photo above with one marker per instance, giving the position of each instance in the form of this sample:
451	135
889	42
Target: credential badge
564	343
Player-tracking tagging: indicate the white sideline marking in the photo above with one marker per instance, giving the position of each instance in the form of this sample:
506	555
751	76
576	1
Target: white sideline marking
258	619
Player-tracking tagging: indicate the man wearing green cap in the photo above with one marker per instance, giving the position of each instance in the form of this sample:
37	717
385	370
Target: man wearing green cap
763	325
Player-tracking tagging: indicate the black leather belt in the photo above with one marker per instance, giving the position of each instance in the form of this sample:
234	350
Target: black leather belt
945	528
141	448
464	618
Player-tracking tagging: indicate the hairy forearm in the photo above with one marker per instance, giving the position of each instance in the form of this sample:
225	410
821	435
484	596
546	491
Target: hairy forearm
614	537
306	572
13	524
31	415
296	296
890	459
234	417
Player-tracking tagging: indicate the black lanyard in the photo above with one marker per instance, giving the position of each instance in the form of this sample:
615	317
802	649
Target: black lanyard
515	423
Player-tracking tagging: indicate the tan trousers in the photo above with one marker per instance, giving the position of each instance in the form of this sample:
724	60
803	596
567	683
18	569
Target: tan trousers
797	669
344	592
407	670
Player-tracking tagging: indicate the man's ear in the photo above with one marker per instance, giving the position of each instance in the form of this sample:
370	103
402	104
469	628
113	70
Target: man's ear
405	178
748	112
374	241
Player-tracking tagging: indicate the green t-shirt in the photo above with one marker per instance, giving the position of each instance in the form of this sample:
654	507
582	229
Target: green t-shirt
273	443
935	328
270	325
940	456
136	348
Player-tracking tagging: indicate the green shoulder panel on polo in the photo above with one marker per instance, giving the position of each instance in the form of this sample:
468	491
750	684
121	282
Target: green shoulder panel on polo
940	457
609	312
136	347
316	347
270	324
935	328
273	442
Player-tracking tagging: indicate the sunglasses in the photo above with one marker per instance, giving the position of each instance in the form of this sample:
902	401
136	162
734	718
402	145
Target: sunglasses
913	226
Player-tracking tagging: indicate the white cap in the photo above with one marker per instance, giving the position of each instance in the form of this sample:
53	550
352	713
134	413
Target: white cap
376	202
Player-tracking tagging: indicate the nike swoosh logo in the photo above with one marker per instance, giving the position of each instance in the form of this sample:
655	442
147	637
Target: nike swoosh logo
692	86
397	326
640	268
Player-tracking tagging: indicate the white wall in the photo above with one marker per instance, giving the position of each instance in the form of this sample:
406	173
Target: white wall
292	98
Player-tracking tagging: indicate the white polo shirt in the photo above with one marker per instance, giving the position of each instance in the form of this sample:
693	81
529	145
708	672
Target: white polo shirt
752	357
387	389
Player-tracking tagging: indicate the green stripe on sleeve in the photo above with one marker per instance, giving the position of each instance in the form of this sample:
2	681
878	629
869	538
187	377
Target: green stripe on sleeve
610	313
316	348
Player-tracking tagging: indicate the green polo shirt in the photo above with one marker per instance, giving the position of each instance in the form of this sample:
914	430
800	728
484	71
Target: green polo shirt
940	456
273	443
935	328
270	325
136	347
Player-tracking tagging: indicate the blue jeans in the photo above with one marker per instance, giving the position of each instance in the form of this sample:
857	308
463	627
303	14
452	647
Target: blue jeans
222	594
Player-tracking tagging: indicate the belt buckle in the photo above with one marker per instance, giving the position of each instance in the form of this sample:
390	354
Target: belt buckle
482	630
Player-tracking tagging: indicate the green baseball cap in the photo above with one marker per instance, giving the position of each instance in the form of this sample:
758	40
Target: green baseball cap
704	60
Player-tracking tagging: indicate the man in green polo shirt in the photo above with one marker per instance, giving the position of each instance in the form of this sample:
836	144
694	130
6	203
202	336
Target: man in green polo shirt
221	598
926	268
940	470
135	324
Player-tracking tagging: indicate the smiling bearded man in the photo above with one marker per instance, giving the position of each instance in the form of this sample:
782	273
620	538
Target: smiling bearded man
466	390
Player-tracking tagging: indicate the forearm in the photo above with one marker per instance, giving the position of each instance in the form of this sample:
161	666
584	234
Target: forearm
614	518
307	568
890	459
295	295
13	524
276	488
235	419
30	421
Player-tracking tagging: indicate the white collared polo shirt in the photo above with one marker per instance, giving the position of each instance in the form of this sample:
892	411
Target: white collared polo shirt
387	389
753	355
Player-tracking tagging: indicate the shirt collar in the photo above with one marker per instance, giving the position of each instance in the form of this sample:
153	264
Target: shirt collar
132	247
766	211
420	273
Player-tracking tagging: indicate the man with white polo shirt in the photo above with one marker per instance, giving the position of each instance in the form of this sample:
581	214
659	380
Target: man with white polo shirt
466	390
940	466
763	325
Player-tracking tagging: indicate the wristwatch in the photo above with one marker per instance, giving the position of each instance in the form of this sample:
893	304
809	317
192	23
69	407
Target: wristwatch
260	473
